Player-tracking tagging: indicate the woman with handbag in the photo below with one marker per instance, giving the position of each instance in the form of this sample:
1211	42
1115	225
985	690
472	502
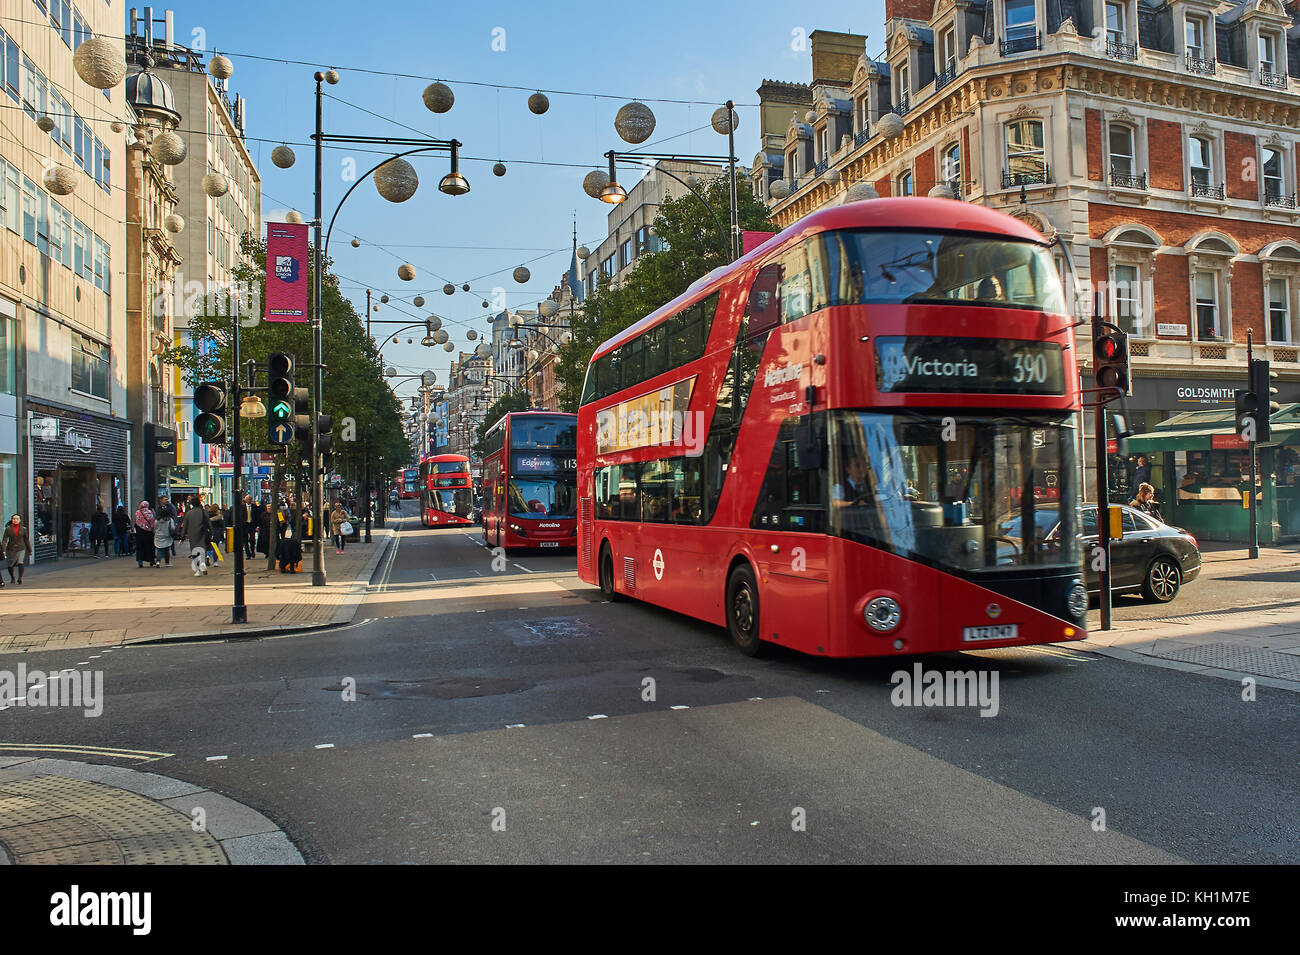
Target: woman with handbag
144	524
338	519
17	545
164	534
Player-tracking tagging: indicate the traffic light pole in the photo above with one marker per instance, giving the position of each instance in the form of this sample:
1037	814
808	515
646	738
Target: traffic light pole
238	610
367	494
1253	539
1103	492
318	552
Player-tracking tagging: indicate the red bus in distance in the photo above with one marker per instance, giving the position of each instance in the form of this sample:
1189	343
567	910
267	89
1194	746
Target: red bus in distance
529	481
446	490
854	441
408	483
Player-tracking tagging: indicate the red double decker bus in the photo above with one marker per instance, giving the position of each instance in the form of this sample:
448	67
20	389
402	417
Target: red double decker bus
530	481
857	440
446	490
407	483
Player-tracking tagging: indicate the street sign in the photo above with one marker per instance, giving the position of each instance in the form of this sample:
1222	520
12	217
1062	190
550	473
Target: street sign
281	433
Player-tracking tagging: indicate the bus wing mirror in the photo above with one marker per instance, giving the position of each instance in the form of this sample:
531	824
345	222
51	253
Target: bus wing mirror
1119	424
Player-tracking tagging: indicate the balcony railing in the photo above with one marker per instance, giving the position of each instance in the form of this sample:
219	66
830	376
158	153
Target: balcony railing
1276	81
1197	64
1121	51
1279	200
821	167
862	136
900	107
1206	191
1021	44
1029	177
957	187
1128	180
946	77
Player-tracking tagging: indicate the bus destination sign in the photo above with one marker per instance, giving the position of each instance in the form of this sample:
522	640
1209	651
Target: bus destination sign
969	365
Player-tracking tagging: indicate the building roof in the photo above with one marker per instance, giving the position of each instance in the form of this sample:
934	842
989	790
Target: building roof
148	93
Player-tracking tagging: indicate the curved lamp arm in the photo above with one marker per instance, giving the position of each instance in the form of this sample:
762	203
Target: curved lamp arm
621	157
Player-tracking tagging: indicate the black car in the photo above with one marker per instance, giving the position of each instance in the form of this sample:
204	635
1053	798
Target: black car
1152	558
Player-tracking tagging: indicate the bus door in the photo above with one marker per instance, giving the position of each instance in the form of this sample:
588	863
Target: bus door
792	555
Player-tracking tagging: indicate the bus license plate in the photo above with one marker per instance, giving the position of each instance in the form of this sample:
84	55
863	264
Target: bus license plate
1005	631
549	544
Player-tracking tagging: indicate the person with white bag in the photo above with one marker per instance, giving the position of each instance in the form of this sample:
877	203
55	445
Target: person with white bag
340	527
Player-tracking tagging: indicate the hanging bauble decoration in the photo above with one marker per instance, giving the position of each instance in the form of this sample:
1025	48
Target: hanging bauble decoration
538	103
438	97
396	180
465	287
522	274
810	117
45	123
60	180
594	182
406	271
215	185
890	125
332	77
101	62
499	169
356	243
221	67
449	289
434	323
634	122
779	189
449	347
484	350
940	191
471	335
383	300
860	191
832	176
583	252
283	156
168	148
440	336
485	305
174	223
724	123
418	301
117	125
294	216
547	308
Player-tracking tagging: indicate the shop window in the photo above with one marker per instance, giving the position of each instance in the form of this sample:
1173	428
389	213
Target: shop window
90	371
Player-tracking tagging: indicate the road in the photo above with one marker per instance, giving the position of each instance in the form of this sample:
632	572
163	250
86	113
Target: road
501	715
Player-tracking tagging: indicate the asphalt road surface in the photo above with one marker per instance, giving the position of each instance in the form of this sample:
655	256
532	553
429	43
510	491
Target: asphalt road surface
502	715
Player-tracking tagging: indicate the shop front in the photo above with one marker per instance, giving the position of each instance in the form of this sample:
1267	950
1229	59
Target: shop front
1205	475
77	461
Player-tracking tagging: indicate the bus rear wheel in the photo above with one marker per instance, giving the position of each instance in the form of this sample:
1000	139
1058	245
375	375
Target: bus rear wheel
742	612
607	575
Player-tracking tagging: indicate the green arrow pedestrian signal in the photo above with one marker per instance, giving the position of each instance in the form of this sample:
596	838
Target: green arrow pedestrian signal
210	412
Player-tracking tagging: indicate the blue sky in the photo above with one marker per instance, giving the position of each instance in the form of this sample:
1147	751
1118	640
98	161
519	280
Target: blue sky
686	51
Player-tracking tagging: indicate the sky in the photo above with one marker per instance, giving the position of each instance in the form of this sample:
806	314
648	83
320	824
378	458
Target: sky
666	50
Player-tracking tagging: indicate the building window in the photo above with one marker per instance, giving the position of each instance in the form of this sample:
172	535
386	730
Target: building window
1123	159
1026	153
1020	26
948	50
8	357
1116	26
823	144
950	169
1196	37
1279	311
1201	165
11	202
905	184
791	166
1274	183
1128	298
608	267
864	114
1267	53
625	254
90	368
12	66
1207	306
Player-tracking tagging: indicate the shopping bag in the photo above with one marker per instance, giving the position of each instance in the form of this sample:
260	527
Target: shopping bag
345	528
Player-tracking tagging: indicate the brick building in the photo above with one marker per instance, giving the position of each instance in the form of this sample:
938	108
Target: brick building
1158	143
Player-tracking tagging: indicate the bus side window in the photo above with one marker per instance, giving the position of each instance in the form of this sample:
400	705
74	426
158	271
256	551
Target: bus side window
656	351
764	307
628	492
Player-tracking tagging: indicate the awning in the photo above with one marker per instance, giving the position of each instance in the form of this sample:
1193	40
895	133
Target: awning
1197	430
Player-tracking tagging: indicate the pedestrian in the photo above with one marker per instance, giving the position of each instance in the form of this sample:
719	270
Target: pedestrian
196	529
289	552
164	535
99	531
1145	501
17	546
217	539
121	531
144	523
337	519
263	513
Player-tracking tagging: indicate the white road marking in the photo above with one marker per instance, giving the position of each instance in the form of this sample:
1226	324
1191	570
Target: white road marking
421	735
514	726
756	699
480	611
679	707
433	575
524	569
598	716
216	759
324	745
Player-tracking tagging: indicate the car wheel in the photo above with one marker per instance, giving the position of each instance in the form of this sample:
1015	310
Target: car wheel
607	575
743	613
1162	581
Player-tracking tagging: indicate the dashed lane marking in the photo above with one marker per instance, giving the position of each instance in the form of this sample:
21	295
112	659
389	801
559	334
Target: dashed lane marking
679	706
598	716
216	759
324	745
421	735
514	726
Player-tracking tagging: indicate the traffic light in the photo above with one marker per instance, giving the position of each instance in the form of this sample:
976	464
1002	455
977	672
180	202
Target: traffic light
302	416
1110	361
1261	383
324	433
210	408
1247	410
279	416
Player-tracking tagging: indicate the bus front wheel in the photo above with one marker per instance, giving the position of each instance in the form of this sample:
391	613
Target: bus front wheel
742	611
607	575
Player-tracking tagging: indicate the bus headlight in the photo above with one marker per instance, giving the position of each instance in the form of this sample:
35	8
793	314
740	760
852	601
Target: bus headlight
1076	599
882	614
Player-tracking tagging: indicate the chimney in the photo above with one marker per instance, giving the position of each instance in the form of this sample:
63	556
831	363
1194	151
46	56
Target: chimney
170	28
908	9
835	55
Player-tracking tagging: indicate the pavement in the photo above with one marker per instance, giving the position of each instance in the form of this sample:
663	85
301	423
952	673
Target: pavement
86	602
1240	619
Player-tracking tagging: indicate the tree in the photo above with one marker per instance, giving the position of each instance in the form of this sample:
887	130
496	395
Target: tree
363	407
510	401
691	244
